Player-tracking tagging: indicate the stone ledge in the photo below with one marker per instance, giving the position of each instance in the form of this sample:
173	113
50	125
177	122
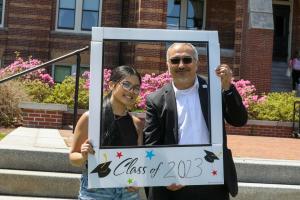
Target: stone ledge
269	123
43	106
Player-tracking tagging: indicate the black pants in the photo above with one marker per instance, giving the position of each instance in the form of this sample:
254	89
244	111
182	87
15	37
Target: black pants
213	192
295	77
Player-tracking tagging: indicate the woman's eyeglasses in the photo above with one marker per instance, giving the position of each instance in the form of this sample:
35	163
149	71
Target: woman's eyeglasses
126	85
185	60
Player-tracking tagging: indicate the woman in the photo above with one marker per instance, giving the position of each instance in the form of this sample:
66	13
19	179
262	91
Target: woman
118	129
294	64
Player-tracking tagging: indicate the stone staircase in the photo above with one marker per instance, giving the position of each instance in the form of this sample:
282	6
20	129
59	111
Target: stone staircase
34	165
263	179
280	82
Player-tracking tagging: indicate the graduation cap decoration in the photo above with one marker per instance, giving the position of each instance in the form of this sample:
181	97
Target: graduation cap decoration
210	156
102	169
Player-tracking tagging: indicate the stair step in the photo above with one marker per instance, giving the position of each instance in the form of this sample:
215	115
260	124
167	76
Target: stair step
35	159
41	184
258	191
280	82
268	171
35	149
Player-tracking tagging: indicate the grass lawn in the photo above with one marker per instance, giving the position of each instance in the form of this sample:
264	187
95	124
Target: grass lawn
4	132
2	135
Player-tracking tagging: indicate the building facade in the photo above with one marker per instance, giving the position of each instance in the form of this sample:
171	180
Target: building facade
252	33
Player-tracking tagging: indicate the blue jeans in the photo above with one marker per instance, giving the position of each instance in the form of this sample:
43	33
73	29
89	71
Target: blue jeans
104	193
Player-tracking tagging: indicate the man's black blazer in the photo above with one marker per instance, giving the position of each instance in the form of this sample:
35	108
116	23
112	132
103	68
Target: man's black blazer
161	123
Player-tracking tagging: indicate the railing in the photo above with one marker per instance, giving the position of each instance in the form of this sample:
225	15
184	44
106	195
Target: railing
49	63
296	129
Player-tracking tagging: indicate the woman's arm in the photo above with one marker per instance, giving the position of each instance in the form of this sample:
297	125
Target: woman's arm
80	145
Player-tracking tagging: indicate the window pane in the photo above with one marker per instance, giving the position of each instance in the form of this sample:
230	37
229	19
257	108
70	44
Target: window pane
1	10
89	19
173	8
91	5
190	23
66	19
195	13
83	69
190	10
60	72
70	4
173	22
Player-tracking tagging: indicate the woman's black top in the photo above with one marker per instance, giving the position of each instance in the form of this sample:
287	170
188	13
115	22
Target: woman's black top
117	130
127	130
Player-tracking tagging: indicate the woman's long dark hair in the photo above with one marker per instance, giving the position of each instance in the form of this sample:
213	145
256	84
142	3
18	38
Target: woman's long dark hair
109	132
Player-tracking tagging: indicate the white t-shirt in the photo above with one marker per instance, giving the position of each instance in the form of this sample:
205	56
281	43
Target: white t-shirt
192	128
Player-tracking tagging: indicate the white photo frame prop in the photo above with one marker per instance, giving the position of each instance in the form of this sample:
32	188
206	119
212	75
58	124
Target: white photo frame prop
155	165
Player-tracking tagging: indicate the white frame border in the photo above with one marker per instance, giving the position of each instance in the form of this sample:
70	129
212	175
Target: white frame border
99	34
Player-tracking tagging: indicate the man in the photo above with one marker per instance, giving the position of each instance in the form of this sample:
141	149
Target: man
178	114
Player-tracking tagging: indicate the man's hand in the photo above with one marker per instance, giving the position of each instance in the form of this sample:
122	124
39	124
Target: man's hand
174	187
224	72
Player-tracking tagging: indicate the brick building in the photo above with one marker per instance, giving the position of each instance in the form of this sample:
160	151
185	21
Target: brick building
252	33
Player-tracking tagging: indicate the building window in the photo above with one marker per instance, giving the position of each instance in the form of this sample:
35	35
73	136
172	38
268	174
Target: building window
60	72
66	14
186	14
90	14
78	15
2	9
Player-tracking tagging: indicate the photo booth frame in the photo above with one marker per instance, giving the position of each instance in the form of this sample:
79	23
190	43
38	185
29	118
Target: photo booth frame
155	165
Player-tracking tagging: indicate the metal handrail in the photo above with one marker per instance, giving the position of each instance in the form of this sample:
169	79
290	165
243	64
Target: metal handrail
46	64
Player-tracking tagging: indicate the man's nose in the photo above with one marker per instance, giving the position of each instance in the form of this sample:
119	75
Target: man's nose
181	64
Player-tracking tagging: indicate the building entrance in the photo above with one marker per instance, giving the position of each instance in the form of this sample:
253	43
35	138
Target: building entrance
281	14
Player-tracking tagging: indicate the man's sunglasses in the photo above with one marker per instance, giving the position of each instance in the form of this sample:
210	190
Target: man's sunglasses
185	60
126	85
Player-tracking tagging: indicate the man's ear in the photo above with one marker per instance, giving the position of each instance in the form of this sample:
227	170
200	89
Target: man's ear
111	85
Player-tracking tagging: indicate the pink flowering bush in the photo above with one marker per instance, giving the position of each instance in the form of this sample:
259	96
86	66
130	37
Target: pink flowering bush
247	92
20	65
106	75
151	83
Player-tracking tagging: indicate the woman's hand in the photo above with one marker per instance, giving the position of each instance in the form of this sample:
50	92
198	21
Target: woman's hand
86	148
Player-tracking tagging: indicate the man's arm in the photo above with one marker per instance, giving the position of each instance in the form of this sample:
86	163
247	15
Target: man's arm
234	110
152	129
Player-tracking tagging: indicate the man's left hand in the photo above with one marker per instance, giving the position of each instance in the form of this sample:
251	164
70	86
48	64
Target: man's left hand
224	72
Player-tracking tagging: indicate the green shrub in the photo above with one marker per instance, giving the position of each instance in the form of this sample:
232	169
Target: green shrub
64	93
278	106
37	90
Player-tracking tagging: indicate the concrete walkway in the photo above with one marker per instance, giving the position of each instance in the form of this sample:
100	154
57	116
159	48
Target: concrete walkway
264	147
35	138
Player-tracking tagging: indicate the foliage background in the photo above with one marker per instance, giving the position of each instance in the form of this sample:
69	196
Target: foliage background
39	86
